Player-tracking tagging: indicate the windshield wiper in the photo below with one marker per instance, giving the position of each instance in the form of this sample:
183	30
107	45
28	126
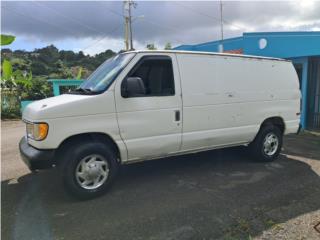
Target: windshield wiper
80	90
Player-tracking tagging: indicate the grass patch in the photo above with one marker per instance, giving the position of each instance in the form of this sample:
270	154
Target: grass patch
240	230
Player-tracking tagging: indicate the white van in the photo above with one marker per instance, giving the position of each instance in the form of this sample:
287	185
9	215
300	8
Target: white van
143	105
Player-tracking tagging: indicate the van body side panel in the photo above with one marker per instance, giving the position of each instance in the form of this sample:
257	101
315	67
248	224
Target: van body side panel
225	99
147	124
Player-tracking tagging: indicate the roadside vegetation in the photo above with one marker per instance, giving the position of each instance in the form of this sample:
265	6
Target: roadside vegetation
51	63
24	74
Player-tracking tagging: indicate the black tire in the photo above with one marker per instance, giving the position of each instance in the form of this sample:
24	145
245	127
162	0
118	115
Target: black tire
257	148
77	153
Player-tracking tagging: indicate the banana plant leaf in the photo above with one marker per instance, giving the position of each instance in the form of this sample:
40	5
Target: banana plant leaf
79	73
6	39
6	70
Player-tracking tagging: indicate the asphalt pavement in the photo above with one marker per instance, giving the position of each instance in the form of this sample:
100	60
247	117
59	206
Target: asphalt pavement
221	194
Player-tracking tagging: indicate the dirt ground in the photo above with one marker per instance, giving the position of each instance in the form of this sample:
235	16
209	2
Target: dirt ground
221	194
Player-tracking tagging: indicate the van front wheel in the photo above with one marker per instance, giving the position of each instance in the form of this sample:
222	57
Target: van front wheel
267	144
89	169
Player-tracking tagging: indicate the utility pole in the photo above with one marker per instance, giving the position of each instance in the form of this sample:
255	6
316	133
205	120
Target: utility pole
221	27
126	33
128	24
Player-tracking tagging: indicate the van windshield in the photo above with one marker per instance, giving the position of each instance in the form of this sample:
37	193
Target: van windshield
105	74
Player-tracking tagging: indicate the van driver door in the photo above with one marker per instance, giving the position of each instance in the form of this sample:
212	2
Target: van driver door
150	123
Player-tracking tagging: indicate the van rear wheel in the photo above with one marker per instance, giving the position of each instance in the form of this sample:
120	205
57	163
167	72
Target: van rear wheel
89	169
267	144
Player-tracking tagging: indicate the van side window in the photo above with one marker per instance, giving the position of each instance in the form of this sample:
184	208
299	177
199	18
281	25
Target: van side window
157	75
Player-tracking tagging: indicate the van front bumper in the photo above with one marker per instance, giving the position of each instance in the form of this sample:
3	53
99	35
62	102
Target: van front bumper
35	158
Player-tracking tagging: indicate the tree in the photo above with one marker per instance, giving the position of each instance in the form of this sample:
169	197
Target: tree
49	62
39	68
67	56
20	63
49	54
80	55
168	46
151	46
6	50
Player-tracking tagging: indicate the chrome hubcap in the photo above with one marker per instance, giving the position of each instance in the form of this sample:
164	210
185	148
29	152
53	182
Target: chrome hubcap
92	171
270	144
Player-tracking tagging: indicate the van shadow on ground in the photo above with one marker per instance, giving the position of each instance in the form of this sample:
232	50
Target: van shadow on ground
210	195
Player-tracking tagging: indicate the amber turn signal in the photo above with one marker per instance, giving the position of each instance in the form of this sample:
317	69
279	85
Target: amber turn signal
37	131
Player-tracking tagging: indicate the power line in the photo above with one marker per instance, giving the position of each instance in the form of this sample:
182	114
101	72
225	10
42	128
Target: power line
166	27
111	10
209	16
86	26
126	15
66	17
60	27
37	19
102	38
115	29
149	21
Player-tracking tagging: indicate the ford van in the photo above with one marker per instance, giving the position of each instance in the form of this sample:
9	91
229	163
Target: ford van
143	105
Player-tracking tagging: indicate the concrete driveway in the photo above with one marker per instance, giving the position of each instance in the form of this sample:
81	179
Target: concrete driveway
219	194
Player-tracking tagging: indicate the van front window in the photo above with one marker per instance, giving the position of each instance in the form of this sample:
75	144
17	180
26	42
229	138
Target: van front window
105	74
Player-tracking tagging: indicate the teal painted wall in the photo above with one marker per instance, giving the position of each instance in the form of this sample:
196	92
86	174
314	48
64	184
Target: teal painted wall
278	44
283	44
296	46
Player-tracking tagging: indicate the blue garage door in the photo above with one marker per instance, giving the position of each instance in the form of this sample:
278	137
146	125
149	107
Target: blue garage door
313	116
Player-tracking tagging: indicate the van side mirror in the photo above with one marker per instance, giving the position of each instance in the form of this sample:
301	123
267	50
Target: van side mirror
132	87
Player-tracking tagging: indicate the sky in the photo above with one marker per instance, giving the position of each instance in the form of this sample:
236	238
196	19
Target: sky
96	26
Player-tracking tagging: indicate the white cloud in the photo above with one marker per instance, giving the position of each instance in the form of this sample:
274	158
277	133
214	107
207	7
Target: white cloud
79	25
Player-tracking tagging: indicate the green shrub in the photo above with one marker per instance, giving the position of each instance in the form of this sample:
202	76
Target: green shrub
38	88
10	104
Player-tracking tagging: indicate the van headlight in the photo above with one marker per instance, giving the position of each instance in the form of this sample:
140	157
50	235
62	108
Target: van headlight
37	131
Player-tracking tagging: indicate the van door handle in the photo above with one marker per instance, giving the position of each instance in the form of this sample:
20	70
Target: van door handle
177	115
230	94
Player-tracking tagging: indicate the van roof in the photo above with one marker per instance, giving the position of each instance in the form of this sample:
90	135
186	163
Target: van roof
210	53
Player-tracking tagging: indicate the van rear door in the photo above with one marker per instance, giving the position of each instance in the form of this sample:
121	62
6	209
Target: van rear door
150	123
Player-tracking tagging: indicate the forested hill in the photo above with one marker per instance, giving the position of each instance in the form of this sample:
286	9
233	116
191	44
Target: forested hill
51	62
